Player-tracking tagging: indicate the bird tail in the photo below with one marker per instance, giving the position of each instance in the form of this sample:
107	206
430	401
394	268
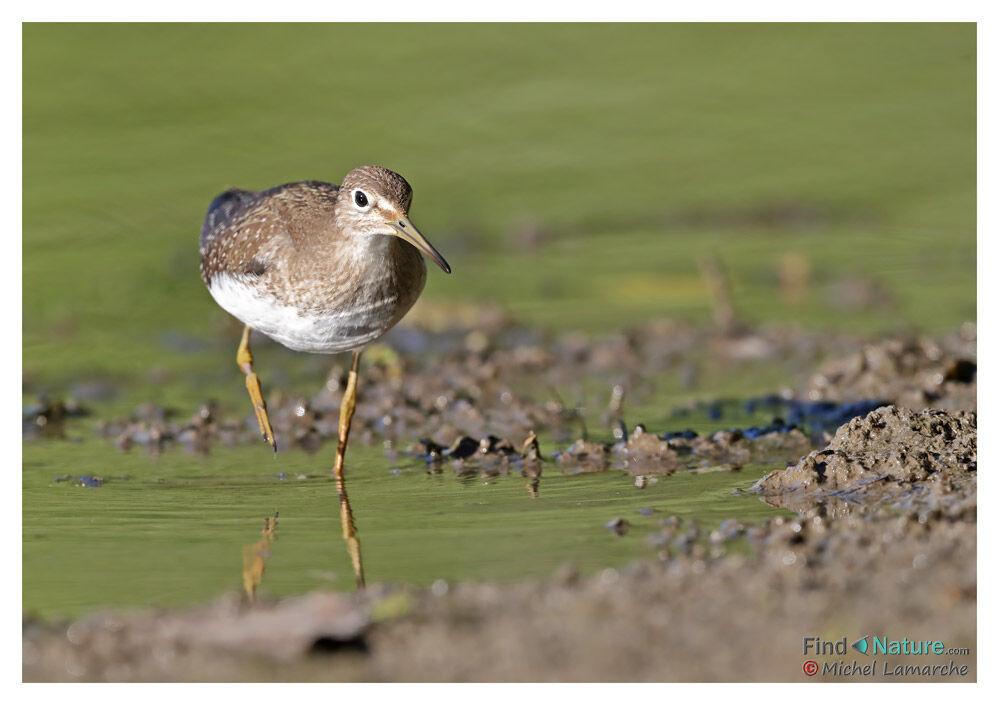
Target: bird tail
222	210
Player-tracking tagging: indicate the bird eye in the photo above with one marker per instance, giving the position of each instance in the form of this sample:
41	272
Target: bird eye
360	199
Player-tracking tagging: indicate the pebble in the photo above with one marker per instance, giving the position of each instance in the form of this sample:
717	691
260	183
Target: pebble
618	526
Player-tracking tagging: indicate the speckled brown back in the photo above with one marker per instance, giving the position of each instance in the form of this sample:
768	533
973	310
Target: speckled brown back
245	231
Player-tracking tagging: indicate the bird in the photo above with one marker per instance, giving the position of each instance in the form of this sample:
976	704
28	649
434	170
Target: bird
319	268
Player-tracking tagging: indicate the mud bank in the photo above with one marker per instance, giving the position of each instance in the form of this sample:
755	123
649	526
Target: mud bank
892	454
915	373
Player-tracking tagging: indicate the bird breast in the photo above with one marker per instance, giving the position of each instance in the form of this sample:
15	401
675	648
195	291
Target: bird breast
327	307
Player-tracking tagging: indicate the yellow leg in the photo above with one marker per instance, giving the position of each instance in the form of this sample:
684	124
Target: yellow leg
346	516
245	361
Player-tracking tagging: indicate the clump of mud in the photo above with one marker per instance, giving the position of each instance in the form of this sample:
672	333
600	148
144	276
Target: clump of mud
776	443
486	458
154	428
917	373
642	452
892	451
47	417
200	643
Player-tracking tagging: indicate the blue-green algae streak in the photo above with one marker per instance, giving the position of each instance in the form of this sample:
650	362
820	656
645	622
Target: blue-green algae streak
170	531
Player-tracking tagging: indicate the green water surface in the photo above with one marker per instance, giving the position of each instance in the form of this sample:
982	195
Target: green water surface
170	531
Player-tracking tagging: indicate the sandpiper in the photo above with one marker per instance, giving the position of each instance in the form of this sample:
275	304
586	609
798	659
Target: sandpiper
319	268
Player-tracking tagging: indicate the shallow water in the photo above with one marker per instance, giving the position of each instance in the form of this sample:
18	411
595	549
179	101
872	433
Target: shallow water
170	531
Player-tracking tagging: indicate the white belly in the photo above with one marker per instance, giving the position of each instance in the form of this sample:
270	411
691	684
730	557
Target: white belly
326	333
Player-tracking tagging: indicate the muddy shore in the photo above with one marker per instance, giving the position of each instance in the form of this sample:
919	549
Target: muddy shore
883	541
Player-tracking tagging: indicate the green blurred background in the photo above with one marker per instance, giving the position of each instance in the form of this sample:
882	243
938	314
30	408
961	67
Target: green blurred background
571	174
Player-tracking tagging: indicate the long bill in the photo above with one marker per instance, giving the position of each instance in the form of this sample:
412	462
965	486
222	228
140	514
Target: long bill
408	232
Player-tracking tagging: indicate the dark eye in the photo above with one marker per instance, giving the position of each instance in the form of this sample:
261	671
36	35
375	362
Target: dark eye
360	199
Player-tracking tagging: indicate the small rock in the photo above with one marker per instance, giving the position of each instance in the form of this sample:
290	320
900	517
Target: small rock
618	526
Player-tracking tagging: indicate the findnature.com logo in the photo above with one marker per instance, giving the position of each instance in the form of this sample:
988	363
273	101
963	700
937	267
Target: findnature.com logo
881	645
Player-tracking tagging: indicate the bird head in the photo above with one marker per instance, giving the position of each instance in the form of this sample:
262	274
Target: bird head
375	201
